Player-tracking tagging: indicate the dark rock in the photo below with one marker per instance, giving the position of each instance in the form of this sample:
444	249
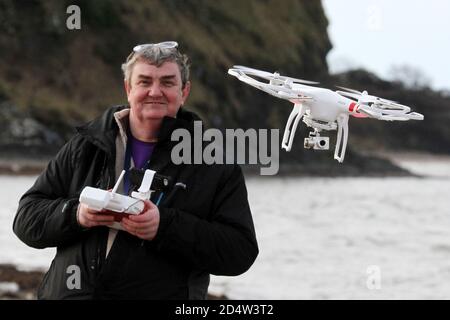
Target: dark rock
21	134
28	282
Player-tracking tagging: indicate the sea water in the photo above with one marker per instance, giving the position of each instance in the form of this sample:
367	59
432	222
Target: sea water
320	238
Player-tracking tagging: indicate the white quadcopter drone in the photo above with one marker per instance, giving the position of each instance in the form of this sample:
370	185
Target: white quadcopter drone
321	108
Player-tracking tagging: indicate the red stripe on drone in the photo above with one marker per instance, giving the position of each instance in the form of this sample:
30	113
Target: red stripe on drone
352	106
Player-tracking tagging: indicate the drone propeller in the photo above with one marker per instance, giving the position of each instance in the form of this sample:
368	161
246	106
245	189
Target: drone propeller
365	98
350	95
295	80
274	78
253	71
383	109
391	105
349	90
385	112
360	97
277	86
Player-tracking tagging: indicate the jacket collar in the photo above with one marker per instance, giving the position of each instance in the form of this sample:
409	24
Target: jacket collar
103	130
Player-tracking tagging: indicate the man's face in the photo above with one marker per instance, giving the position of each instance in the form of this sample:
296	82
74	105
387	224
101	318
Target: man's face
155	92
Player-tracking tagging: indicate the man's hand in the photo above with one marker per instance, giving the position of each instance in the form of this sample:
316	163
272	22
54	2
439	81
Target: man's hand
144	225
91	218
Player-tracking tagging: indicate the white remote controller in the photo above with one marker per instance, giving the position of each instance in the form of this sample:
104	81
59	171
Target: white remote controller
99	199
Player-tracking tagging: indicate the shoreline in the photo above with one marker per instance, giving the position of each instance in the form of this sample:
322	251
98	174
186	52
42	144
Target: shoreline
402	156
16	284
16	166
21	166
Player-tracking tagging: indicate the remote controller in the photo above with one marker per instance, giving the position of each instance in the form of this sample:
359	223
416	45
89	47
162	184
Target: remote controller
110	202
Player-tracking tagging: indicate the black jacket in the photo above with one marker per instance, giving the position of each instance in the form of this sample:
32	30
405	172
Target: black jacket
204	229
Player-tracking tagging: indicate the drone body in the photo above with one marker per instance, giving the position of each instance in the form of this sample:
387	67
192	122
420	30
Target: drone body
321	108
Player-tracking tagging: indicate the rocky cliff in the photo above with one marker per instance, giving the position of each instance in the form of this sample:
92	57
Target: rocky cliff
53	78
60	77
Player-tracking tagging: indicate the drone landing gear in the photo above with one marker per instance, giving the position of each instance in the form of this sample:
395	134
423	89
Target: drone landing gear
291	126
342	136
314	140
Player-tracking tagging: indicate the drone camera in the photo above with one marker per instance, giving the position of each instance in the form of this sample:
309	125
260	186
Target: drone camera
317	143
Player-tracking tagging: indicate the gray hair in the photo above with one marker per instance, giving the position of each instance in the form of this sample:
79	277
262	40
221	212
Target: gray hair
157	56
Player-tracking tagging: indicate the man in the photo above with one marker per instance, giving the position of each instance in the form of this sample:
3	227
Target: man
202	226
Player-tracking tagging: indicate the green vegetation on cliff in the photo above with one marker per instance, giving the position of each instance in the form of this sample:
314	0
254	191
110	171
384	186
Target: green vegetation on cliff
71	75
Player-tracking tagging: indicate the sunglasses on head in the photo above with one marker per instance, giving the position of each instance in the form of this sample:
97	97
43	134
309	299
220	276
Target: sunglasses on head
162	45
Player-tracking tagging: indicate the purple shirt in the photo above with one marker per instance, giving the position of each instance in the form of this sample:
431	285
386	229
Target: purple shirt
140	151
